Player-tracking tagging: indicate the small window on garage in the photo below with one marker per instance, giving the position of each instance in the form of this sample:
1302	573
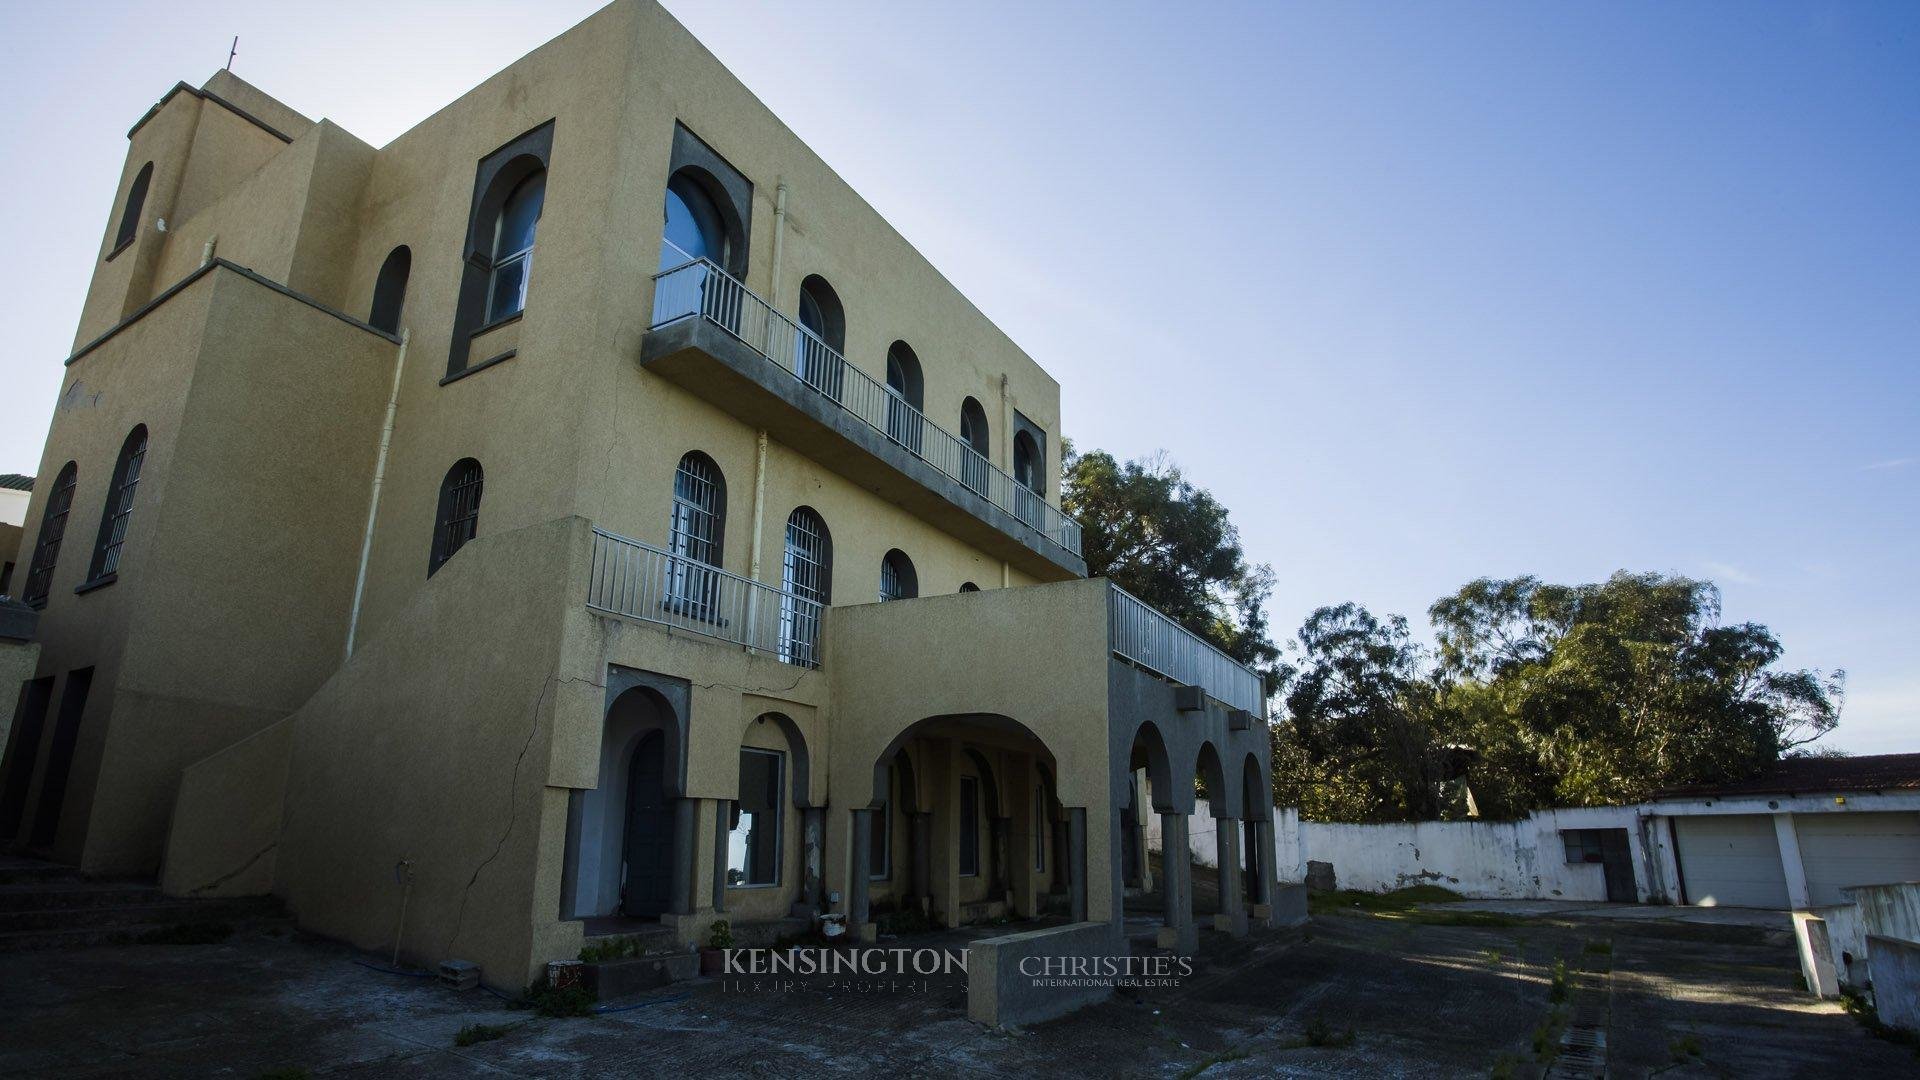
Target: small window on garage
1583	845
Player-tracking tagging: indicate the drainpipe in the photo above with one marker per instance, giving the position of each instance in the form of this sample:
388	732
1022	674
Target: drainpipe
779	239
373	502
759	504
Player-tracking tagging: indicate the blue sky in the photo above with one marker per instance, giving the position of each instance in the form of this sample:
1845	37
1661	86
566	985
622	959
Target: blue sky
1422	292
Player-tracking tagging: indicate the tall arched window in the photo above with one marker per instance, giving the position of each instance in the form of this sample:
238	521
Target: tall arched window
136	201
819	348
53	528
119	509
512	259
1029	476
694	227
806	580
897	579
390	290
459	518
694	536
904	397
973	432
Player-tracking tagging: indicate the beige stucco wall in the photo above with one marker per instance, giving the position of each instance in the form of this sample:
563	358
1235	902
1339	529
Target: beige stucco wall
18	659
224	833
232	593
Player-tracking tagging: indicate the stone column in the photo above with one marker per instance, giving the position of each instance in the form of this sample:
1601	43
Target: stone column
920	825
1077	862
1178	932
997	858
813	842
1268	879
686	835
1233	903
722	818
1791	866
861	871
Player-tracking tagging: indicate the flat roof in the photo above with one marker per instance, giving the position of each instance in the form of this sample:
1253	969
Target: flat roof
1812	775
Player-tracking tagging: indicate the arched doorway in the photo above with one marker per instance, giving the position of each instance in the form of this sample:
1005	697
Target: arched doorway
649	830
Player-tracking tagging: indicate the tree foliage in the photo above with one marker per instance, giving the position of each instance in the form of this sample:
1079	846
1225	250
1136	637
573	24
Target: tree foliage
1538	695
1171	544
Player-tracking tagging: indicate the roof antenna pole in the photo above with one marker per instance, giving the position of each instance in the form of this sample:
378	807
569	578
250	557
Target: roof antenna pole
233	52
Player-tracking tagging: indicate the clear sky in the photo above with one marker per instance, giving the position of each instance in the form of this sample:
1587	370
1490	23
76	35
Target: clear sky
1422	292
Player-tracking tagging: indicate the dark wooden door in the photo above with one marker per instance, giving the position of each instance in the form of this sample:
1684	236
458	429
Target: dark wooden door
1616	855
649	838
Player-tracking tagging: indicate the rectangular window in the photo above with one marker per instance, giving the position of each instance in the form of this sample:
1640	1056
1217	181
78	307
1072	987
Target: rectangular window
969	826
1583	845
753	848
1039	828
880	838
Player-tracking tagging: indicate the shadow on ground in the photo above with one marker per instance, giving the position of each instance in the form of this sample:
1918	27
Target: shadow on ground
1353	994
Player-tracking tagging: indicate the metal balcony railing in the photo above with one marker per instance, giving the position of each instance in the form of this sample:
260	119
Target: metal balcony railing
699	289
1140	634
643	582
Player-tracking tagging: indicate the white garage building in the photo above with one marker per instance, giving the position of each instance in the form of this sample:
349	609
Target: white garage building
1792	837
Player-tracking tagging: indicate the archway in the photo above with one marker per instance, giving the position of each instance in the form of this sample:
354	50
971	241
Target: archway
629	837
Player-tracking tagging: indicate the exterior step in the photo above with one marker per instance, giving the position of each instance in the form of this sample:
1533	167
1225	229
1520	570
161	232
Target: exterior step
76	894
18	871
162	913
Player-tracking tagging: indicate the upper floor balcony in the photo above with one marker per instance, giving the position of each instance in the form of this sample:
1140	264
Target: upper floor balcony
713	336
642	582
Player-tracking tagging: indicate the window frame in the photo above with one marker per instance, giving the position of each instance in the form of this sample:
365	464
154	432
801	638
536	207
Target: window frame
449	515
116	515
798	645
45	558
969	826
778	812
521	257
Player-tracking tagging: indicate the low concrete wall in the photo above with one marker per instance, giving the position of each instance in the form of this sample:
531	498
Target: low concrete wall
1041	974
226	819
1876	911
1896	981
1816	954
1507	860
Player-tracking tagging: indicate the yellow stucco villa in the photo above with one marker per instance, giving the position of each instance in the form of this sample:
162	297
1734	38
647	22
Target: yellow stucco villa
582	513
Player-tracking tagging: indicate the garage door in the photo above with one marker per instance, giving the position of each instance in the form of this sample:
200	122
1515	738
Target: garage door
1730	860
1847	848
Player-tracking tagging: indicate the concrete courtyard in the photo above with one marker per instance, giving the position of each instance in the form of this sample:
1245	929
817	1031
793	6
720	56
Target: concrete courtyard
1434	992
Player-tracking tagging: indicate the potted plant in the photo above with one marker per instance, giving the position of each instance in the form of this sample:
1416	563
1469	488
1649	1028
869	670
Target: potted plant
713	958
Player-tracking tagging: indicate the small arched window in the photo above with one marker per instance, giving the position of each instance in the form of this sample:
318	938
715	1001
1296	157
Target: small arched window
119	509
390	290
897	579
512	259
968	586
973	431
904	397
136	201
459	518
819	348
694	227
806	580
53	528
694	536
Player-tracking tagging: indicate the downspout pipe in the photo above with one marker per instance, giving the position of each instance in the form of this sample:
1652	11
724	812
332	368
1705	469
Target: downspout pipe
373	500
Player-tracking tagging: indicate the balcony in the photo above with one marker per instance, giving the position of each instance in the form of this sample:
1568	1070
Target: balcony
714	337
1141	635
640	581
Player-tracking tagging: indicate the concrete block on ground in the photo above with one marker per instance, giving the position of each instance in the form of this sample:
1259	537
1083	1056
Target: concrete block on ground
1038	975
1289	906
1896	981
1816	954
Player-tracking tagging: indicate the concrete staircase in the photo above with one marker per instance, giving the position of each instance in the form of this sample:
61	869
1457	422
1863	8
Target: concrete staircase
47	906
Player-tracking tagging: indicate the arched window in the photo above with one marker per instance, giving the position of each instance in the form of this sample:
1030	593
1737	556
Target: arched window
390	290
973	432
897	579
459	517
753	843
512	259
968	586
904	397
53	528
694	226
694	536
806	580
119	510
1028	477
818	349
136	200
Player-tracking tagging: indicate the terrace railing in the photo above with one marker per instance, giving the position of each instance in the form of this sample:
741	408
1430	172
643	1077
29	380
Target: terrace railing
1142	635
643	582
698	289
